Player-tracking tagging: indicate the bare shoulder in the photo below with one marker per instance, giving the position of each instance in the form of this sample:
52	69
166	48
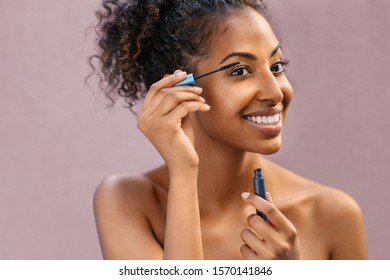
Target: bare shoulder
340	219
124	205
329	201
333	203
331	213
124	190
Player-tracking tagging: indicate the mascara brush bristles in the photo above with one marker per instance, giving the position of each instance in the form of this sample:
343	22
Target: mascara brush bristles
217	70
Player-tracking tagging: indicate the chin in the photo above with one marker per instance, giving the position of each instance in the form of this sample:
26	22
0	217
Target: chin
269	148
269	152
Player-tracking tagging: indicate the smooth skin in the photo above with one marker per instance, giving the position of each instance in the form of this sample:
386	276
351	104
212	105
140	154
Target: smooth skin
200	204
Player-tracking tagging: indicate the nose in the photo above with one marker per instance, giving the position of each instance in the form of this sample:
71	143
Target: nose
269	88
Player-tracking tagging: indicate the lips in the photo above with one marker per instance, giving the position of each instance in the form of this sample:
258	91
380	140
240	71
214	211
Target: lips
266	121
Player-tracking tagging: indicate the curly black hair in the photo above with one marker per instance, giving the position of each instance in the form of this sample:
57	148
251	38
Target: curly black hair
139	41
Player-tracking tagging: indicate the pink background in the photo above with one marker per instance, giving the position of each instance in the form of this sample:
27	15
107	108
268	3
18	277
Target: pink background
58	141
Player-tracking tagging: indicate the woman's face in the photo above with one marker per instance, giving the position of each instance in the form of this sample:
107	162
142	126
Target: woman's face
249	101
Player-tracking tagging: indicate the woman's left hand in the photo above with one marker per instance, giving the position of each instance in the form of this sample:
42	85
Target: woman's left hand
274	240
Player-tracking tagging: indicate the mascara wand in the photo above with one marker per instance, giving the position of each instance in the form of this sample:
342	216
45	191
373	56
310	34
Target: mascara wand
191	79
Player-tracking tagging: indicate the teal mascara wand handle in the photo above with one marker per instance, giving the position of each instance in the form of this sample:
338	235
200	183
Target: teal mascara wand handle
188	81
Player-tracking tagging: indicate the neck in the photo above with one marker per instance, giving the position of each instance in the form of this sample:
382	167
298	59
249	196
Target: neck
224	173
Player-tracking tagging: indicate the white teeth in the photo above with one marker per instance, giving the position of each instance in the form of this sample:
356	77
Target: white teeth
270	120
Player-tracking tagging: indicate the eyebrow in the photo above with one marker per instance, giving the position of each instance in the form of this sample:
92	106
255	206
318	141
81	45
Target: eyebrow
276	49
249	55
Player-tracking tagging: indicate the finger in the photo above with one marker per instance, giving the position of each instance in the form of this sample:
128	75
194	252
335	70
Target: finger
259	225
247	253
182	110
166	82
270	210
269	236
166	93
290	231
174	99
171	121
269	197
255	245
253	241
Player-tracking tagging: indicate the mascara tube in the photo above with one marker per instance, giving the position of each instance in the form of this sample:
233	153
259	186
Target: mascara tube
259	187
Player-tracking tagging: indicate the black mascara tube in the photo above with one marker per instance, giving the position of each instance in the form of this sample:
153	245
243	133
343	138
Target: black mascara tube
259	186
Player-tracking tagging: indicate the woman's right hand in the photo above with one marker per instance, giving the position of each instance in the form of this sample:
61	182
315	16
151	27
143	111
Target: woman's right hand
161	120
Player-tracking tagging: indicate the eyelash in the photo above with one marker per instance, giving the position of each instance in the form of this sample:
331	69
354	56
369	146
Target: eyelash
284	63
237	69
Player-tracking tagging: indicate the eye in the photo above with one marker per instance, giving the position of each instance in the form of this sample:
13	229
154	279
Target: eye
279	66
239	72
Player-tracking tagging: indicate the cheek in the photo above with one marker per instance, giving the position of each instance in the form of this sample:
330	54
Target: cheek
225	100
224	110
224	113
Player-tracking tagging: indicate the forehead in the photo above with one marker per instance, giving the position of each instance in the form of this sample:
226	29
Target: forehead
244	30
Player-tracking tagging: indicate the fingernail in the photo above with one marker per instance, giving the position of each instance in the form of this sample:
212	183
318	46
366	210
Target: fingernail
202	99
181	73
245	195
198	89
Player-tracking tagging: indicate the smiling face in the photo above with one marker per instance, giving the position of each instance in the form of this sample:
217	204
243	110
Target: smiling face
248	102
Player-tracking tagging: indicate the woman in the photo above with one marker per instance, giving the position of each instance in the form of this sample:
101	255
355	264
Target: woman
199	204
